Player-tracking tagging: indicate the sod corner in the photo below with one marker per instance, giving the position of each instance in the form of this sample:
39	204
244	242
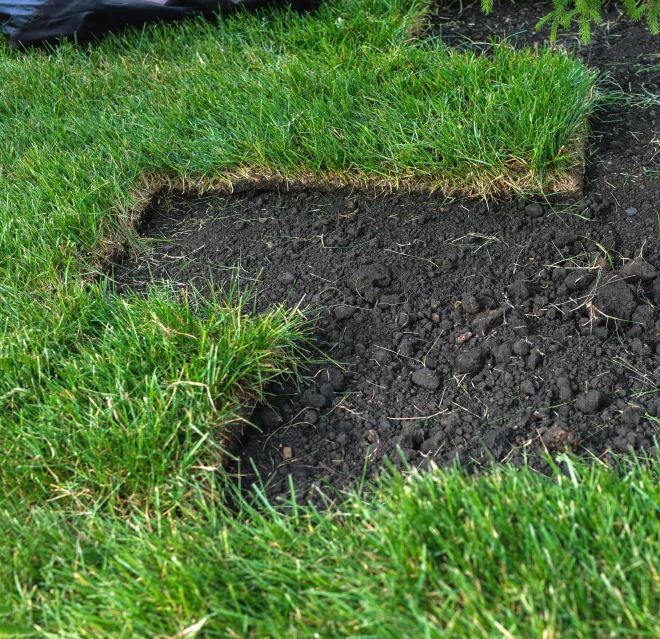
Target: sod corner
151	187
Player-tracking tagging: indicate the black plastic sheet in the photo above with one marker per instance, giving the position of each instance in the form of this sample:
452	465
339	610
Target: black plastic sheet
28	22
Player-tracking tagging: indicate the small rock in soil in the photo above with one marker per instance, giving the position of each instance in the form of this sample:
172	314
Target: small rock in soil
485	324
344	312
534	210
327	390
310	416
527	387
519	291
286	278
503	353
565	393
464	337
313	400
558	437
407	347
638	270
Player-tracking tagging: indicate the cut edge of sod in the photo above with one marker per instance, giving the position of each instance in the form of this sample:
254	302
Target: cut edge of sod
153	185
525	184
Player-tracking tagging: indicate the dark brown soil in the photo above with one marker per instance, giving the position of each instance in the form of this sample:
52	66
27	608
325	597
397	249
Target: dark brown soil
457	329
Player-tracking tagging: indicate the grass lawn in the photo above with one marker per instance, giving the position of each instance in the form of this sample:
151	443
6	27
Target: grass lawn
114	410
511	554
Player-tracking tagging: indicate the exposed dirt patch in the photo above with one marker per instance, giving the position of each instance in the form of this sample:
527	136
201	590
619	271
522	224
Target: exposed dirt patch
459	328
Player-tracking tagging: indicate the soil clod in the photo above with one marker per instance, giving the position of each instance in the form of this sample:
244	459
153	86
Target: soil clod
591	402
426	378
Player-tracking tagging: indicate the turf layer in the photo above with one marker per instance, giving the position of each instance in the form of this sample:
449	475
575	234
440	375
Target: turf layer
113	403
439	555
344	95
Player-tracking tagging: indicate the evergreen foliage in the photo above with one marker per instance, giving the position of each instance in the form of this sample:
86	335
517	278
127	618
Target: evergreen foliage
587	12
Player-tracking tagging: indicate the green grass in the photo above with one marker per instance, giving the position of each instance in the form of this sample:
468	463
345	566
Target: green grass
117	399
344	95
439	555
114	409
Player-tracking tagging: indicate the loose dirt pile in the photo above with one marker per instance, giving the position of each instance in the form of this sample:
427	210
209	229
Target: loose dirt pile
457	329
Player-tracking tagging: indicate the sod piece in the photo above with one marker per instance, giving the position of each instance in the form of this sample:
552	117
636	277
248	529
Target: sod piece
114	402
438	555
346	95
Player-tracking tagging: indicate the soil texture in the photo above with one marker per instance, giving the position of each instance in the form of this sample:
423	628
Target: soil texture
461	330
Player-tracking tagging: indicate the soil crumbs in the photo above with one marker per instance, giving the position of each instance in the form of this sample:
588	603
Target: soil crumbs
455	329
